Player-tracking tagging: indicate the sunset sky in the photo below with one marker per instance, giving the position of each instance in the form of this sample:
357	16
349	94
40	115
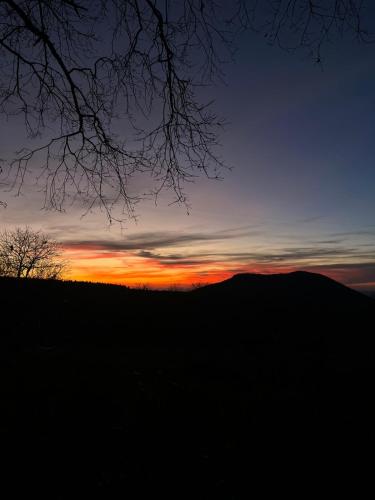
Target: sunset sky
300	195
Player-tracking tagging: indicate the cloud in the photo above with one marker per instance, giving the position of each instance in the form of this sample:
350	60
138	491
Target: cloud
306	253
333	241
287	255
157	240
361	232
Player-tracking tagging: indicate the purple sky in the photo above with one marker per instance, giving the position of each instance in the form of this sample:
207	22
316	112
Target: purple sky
301	194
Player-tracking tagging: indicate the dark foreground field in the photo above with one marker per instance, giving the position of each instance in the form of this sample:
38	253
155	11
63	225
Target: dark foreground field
114	393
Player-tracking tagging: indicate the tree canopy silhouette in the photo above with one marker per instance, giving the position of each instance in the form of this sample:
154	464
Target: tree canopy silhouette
109	89
25	253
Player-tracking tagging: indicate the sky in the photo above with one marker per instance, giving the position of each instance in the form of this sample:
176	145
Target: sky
300	195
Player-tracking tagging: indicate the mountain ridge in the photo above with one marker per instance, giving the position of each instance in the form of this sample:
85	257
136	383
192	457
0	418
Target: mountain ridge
296	285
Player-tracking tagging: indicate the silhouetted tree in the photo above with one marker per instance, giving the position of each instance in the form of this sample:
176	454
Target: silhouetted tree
29	254
69	67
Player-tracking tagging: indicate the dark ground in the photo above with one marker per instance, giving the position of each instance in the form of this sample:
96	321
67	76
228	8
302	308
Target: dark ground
108	392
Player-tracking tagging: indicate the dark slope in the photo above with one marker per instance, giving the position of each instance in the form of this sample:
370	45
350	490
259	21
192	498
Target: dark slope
294	288
108	392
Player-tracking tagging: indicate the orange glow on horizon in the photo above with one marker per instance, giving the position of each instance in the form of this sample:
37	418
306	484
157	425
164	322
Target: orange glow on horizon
161	272
113	267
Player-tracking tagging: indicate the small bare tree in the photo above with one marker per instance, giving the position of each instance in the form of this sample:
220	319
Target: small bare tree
72	68
25	253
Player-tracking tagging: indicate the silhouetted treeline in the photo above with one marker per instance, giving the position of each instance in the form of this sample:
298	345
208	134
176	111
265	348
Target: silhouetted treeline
108	392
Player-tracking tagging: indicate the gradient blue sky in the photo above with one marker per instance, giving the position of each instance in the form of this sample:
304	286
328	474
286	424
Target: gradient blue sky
301	194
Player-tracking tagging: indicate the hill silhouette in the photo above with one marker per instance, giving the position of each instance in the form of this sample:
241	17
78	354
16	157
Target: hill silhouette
299	287
186	394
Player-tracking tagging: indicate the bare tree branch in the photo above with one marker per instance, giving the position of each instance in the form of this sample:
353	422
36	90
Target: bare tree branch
109	90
